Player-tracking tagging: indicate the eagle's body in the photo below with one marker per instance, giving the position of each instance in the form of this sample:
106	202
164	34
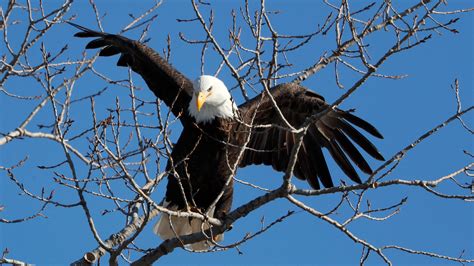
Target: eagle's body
198	144
218	137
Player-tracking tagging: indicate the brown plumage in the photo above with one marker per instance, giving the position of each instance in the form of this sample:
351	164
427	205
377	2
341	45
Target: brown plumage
210	148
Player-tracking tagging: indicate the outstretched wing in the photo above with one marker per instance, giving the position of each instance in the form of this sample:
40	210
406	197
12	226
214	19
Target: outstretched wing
334	131
167	83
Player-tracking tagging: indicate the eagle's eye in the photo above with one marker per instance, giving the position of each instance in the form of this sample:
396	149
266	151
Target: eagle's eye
209	90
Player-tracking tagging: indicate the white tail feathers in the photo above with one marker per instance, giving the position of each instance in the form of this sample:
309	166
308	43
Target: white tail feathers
169	227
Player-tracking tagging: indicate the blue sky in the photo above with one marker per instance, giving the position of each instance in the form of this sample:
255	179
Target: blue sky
401	109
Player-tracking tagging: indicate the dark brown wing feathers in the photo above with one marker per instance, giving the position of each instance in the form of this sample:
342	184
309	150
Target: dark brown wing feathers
362	124
167	83
272	146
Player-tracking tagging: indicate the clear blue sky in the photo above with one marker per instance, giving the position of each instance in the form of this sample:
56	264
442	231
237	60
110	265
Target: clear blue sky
401	109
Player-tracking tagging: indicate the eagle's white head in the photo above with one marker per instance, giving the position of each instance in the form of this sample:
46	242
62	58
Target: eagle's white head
211	99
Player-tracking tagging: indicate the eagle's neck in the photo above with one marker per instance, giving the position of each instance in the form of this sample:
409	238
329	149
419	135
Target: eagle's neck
227	109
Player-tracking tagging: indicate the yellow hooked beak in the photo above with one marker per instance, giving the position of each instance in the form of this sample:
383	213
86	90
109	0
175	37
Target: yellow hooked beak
201	99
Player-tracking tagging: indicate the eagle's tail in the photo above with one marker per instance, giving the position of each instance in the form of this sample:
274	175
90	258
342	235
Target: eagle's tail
169	227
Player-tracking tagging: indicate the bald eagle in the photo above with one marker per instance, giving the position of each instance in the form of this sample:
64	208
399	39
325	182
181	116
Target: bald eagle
217	135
